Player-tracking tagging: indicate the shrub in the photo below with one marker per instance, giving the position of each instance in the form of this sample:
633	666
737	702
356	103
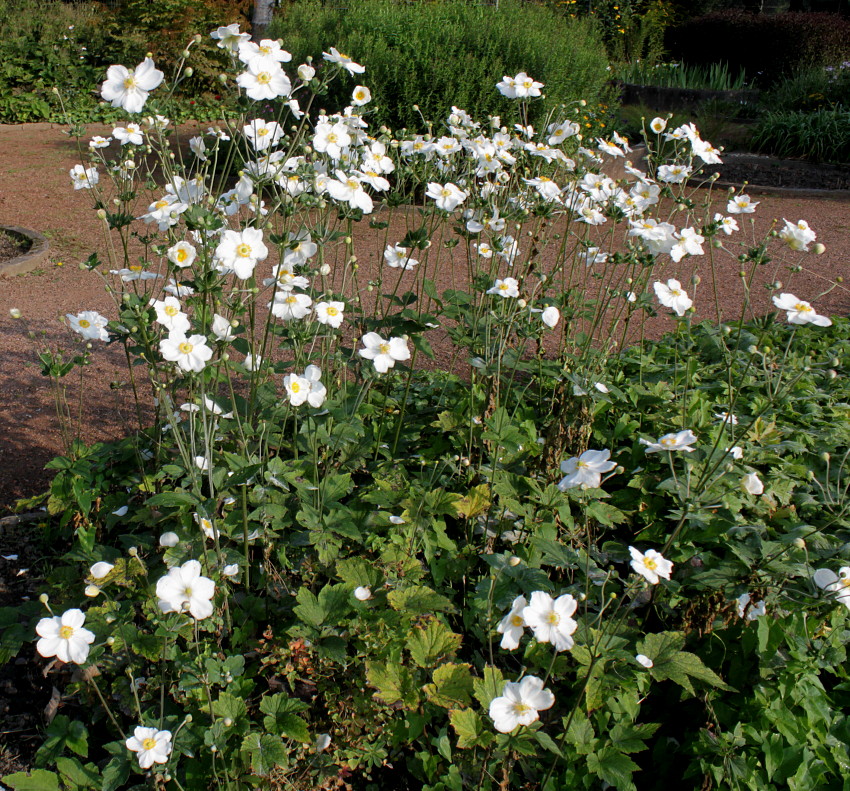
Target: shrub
812	89
821	135
439	54
765	46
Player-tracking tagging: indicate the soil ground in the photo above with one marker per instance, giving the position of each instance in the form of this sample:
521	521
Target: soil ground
36	192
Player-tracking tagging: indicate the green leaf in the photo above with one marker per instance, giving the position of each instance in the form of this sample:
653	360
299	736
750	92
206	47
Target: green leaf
281	718
452	686
469	728
547	742
433	643
115	773
474	503
490	686
63	733
604	513
671	663
37	780
419	600
172	499
581	734
630	738
265	751
230	707
393	681
75	775
613	767
308	608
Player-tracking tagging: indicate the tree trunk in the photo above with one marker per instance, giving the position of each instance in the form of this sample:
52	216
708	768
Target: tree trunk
261	18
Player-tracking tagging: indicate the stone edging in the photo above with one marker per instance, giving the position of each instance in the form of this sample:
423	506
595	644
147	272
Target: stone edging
32	258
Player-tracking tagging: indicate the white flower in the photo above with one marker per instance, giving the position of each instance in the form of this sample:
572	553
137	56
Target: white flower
229	37
751	611
360	96
152	746
752	484
306	72
681	440
83	178
321	742
330	313
396	520
130	91
206	525
266	50
644	660
230	570
362	593
122	511
202	463
741	204
168	314
348	189
798	236
263	135
397	256
838	584
448	196
586	470
727	224
239	252
650	565
130	134
198	147
735	452
800	311
182	254
550	316
519	87
673	296
190	353
674	174
169	539
726	417
318	392
550	619
334	56
512	626
89	324
689	242
264	80
658	125
64	637
99	141
222	328
383	353
520	703
100	569
509	287
252	362
297	388
288	305
184	589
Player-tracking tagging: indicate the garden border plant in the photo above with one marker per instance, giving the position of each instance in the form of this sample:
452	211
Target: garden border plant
316	560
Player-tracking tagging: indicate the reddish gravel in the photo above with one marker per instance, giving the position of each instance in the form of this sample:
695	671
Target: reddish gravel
36	192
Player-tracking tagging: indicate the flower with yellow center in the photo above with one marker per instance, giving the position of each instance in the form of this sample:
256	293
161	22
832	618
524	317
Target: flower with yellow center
151	745
64	637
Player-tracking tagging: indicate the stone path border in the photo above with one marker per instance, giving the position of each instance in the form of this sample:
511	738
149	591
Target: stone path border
32	258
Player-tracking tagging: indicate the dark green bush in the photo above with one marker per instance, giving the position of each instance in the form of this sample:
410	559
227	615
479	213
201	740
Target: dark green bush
811	89
440	54
765	46
821	136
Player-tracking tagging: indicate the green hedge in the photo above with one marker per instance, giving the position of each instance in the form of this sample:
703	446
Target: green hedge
440	54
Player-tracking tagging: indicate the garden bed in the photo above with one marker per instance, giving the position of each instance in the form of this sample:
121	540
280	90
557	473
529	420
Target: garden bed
788	175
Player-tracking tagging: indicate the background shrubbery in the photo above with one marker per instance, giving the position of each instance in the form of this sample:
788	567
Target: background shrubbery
435	55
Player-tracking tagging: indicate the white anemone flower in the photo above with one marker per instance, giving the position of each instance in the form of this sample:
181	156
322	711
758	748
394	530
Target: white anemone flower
130	134
658	125
169	539
63	636
550	619
384	354
672	295
264	80
267	50
550	316
263	135
222	328
152	746
448	196
749	609
509	287
288	305
239	252
520	86
83	178
586	471
130	90
741	204
185	589
644	661
229	37
318	392
798	235
297	388
334	56
89	324
681	440
800	312
752	484
397	257
182	254
520	704
361	95
362	593
651	565
190	353
837	584
330	313
512	626
168	314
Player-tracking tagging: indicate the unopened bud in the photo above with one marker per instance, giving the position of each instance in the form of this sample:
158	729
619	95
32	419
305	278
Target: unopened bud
44	598
825	456
324	270
222	78
185	53
133	552
799	543
818	249
189	72
696	280
110	641
514	560
15	313
228	722
101	213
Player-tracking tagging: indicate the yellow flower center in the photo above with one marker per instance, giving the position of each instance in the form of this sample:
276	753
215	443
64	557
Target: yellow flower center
332	137
264	78
266	50
243	250
84	323
160	204
171	310
384	348
668	441
360	95
291	300
503	286
650	563
581	464
148	744
66	632
185	348
522	708
445	192
333	311
295	387
129	83
802	307
553	618
262	132
516	620
181	256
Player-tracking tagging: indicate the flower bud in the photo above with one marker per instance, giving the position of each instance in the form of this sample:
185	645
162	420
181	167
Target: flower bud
818	249
185	53
514	560
110	640
189	72
15	313
222	78
228	722
799	543
324	270
133	552
101	213
825	456
696	280
44	598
